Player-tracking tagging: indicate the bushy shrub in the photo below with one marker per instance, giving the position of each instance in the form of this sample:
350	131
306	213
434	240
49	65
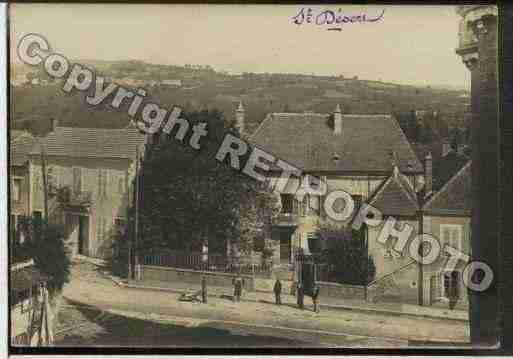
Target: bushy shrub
44	243
347	257
119	255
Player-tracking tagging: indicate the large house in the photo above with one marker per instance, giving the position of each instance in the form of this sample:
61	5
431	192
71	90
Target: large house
89	177
354	153
446	215
369	157
21	143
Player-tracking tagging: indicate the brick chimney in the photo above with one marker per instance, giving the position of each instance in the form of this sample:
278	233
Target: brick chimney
428	174
239	118
337	121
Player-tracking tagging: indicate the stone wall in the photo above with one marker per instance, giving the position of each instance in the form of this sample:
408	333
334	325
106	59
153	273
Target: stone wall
267	285
342	291
168	274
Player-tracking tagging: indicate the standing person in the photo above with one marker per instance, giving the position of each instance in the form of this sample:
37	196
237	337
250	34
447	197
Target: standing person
453	295
237	287
300	295
204	289
277	291
315	298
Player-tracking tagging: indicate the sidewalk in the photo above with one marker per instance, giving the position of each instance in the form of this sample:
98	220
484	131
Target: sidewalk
389	308
326	302
396	309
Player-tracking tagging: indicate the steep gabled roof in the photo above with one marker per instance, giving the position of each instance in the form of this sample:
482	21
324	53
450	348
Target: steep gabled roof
396	197
307	141
20	147
91	142
455	197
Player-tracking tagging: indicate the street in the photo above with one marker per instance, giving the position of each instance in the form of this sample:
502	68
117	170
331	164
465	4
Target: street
97	312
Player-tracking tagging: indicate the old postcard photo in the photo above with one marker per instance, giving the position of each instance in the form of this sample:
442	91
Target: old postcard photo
252	176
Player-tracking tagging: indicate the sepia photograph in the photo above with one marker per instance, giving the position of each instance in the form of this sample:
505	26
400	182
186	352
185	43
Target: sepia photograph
253	176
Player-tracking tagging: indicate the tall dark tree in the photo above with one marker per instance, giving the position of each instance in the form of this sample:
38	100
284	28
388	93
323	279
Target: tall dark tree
346	253
190	198
44	243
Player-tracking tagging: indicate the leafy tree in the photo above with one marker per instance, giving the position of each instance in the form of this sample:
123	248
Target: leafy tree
446	167
189	198
347	255
457	137
44	242
119	254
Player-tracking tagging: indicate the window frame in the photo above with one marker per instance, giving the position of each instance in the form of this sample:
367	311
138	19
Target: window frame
19	181
103	182
290	200
451	227
77	188
443	294
312	237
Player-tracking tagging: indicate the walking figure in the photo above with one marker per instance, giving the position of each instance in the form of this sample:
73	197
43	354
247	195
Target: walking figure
315	299
300	296
204	289
277	291
237	288
453	295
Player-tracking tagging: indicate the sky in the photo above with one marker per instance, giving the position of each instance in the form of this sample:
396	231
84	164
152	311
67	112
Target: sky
411	44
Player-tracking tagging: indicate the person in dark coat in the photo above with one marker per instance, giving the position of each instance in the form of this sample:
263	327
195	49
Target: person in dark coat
315	299
204	289
237	288
277	291
453	295
300	295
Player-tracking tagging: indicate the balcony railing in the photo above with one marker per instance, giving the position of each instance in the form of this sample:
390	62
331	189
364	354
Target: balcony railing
205	262
286	220
75	199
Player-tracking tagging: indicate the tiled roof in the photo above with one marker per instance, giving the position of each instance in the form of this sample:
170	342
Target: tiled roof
20	147
307	141
455	197
92	142
396	197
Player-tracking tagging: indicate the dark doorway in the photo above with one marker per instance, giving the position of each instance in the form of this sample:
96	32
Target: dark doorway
285	246
83	232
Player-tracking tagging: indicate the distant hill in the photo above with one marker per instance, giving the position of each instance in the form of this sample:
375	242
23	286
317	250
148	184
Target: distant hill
203	87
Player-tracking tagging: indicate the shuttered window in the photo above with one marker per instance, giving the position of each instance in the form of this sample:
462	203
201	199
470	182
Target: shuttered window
450	284
121	184
314	243
77	179
51	176
16	187
101	227
102	182
451	234
287	202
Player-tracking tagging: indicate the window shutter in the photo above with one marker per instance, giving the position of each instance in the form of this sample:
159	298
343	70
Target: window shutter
456	238
100	230
77	180
99	182
446	235
105	181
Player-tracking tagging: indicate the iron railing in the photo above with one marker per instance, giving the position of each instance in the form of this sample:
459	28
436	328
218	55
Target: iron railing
205	262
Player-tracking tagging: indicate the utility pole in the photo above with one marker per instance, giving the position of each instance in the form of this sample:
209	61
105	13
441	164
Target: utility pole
45	184
136	229
420	279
